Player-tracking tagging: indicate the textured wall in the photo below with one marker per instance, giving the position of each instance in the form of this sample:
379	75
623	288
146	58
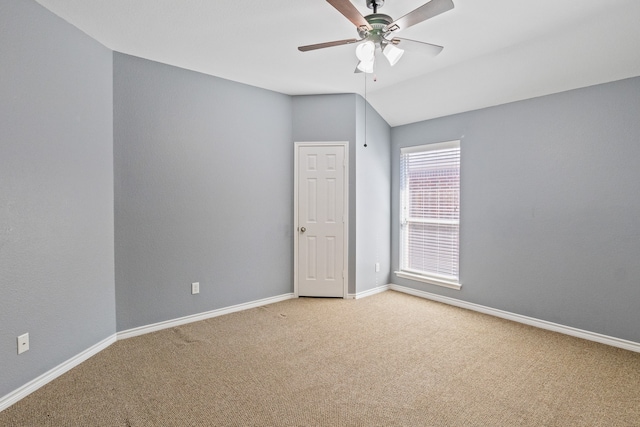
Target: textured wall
550	213
56	196
204	192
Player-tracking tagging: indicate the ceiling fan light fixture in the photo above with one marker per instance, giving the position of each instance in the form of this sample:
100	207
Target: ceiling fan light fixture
392	53
365	51
365	66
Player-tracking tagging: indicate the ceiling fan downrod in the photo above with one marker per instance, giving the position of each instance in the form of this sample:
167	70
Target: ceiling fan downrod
375	4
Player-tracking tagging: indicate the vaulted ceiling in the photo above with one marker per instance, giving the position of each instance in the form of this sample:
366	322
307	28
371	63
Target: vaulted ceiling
496	51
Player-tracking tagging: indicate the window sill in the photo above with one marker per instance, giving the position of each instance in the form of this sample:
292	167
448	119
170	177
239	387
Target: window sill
430	280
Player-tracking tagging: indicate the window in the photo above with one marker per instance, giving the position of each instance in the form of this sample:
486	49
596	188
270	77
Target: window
430	213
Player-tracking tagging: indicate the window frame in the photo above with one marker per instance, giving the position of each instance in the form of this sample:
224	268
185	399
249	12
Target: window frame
425	276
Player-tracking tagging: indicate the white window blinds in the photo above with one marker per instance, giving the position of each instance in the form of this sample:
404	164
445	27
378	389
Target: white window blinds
430	210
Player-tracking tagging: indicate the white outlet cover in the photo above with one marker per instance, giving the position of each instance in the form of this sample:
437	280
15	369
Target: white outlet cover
195	288
23	343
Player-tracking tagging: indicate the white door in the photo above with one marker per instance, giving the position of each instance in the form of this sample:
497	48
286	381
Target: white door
321	223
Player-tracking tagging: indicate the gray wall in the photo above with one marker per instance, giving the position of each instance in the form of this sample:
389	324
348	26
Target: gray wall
56	197
550	213
204	192
373	189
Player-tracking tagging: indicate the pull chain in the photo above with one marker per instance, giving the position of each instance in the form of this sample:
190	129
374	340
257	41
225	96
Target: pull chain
365	110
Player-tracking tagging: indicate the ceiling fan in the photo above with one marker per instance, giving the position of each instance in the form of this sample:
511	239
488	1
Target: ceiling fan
378	30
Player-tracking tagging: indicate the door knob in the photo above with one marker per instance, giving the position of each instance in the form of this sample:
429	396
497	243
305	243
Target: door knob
302	229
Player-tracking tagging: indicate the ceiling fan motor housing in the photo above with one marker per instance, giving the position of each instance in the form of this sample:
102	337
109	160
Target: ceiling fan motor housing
378	22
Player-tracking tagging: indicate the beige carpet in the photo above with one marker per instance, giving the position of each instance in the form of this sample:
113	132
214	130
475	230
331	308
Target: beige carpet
387	360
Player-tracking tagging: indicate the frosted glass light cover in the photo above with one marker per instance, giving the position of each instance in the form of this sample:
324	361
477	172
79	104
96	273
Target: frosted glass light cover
365	67
365	51
392	53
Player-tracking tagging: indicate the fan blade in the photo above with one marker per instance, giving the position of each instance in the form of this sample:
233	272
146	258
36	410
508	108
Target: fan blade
350	12
327	44
424	12
414	45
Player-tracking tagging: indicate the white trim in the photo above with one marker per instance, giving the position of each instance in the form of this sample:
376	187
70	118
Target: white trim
54	373
297	145
141	330
531	321
369	292
428	279
431	146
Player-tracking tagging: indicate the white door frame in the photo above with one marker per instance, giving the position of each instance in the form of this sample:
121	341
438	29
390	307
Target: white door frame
297	145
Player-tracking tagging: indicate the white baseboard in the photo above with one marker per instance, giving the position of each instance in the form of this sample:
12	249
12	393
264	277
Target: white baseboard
141	330
54	373
369	292
531	321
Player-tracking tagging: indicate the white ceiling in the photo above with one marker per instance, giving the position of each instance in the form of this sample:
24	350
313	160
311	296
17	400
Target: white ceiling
496	51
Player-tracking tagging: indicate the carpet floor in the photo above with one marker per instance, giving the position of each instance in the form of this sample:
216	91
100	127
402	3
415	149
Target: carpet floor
390	359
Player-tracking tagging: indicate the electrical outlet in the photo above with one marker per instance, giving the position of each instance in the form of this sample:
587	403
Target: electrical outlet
23	343
377	267
195	288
